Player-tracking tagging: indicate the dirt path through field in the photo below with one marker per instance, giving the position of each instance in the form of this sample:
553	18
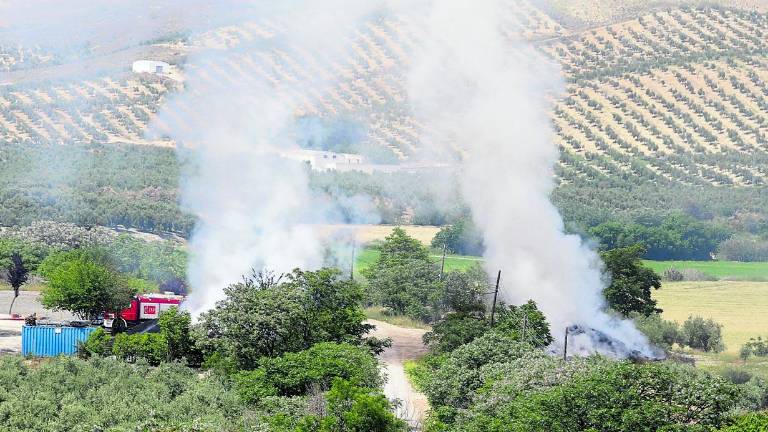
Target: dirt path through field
406	345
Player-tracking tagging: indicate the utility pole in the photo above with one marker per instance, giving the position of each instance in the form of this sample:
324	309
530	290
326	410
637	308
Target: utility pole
565	348
352	264
525	324
495	296
442	265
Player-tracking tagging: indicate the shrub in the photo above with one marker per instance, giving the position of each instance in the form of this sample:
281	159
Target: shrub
754	422
702	334
659	332
737	376
673	275
151	347
98	343
295	374
757	347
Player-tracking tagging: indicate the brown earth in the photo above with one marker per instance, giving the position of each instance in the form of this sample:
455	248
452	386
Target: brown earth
406	345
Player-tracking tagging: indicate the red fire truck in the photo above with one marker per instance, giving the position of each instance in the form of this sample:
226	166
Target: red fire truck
143	308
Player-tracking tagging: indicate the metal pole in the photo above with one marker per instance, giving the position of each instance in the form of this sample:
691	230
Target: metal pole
565	348
442	265
495	296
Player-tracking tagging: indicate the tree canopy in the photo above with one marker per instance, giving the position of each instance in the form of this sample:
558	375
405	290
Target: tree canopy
631	283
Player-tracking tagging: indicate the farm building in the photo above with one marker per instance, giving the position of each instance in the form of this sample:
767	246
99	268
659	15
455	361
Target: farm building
325	160
151	66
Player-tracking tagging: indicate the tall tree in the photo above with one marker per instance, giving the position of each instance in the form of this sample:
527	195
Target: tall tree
18	274
84	285
631	282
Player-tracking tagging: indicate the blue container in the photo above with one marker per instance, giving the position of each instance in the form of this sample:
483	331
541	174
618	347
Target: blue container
51	341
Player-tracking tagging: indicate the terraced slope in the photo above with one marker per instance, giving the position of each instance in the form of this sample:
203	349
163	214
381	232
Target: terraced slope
673	96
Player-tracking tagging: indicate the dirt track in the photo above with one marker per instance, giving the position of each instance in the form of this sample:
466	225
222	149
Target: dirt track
406	345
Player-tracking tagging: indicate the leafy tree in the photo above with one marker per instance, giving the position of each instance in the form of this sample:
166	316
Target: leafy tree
17	276
454	330
460	238
525	322
98	344
611	397
631	282
295	374
175	327
351	408
702	334
404	277
265	316
84	286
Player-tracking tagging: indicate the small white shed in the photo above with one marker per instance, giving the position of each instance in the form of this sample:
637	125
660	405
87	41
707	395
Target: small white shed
151	66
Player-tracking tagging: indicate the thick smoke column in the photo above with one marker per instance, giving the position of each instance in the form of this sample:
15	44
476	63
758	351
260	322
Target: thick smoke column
472	83
254	206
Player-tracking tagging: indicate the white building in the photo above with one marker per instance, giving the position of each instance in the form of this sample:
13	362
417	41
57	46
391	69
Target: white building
151	66
325	160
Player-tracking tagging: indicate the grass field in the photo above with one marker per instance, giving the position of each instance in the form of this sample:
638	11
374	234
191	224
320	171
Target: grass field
741	307
757	271
367	257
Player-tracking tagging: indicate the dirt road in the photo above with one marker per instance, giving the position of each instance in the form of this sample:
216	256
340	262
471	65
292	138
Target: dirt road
406	345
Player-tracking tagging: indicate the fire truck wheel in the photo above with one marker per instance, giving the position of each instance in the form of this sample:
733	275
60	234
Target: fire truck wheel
119	326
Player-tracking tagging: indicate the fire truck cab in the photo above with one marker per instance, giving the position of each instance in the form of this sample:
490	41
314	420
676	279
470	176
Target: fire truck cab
143	308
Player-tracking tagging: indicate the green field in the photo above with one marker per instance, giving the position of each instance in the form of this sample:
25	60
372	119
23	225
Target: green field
367	257
755	271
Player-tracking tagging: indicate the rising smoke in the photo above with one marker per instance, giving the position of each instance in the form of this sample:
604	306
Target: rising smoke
474	83
254	206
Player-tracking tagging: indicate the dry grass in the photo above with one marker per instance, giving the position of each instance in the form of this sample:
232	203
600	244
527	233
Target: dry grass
368	233
741	307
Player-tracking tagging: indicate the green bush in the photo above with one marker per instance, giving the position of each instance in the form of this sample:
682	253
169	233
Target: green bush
151	347
294	374
68	394
98	343
659	332
702	334
754	422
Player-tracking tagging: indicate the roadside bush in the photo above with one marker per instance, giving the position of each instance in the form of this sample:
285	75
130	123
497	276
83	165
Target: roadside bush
454	330
349	407
702	334
295	374
151	347
98	343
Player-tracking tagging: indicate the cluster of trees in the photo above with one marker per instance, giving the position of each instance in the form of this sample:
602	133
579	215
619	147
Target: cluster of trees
108	185
673	238
285	353
696	332
90	260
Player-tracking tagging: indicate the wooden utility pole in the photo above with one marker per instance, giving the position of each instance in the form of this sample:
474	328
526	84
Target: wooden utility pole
565	348
525	324
442	265
352	264
495	297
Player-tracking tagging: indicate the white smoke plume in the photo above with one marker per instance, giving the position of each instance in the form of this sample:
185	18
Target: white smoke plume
254	206
473	84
